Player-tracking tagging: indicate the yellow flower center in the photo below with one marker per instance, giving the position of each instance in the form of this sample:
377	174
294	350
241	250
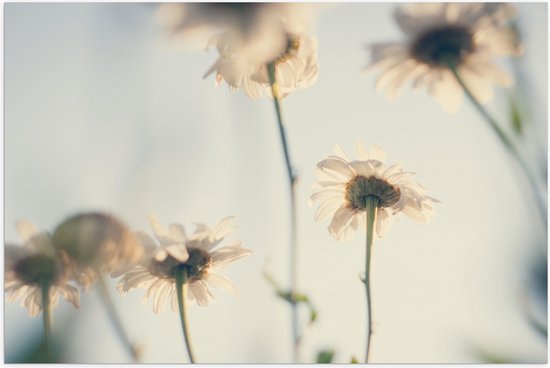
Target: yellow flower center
438	47
361	187
197	265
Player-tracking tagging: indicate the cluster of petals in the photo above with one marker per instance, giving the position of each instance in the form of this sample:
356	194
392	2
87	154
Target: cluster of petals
175	243
248	37
334	174
242	63
475	32
35	260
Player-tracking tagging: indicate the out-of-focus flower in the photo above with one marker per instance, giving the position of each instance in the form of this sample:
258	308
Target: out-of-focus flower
243	63
185	20
344	186
35	265
195	253
466	35
252	36
97	243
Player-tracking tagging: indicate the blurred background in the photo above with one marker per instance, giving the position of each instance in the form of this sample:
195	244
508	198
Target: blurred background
103	112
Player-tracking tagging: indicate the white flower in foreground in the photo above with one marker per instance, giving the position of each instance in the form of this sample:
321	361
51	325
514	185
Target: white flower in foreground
344	186
195	252
469	35
30	267
243	62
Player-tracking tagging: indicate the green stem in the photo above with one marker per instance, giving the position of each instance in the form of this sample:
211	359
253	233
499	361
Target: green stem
292	186
115	319
47	316
371	213
181	288
504	139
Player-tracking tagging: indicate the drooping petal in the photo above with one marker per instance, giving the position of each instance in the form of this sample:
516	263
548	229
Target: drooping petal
161	233
336	169
221	282
178	251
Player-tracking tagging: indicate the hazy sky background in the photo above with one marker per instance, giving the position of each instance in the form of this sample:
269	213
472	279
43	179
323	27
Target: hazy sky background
102	113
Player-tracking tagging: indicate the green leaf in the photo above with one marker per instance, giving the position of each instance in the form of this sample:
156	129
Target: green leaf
354	360
515	115
297	298
325	356
312	314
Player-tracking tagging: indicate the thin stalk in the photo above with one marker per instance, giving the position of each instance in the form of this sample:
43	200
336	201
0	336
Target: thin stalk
292	186
371	212
505	141
115	319
181	288
47	316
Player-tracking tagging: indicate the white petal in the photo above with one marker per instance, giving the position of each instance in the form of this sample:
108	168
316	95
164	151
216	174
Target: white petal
178	251
327	208
71	295
377	154
384	222
446	90
340	153
338	227
326	194
228	254
361	152
160	299
221	282
224	228
26	229
161	233
336	169
177	232
200	293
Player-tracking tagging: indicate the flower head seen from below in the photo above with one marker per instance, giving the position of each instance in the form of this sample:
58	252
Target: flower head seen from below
467	36
248	37
243	63
344	186
197	253
35	265
96	243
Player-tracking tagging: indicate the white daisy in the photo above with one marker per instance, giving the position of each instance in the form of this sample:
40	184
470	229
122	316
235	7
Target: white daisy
344	186
195	252
97	243
468	35
30	267
243	62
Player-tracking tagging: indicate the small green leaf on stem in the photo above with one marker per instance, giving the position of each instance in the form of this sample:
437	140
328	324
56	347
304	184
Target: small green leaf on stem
325	356
515	114
292	298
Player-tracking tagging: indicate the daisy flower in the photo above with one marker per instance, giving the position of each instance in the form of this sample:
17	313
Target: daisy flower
35	265
97	243
252	36
195	253
243	62
344	186
188	20
467	36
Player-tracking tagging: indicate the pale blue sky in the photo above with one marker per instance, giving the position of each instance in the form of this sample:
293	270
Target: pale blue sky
102	113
